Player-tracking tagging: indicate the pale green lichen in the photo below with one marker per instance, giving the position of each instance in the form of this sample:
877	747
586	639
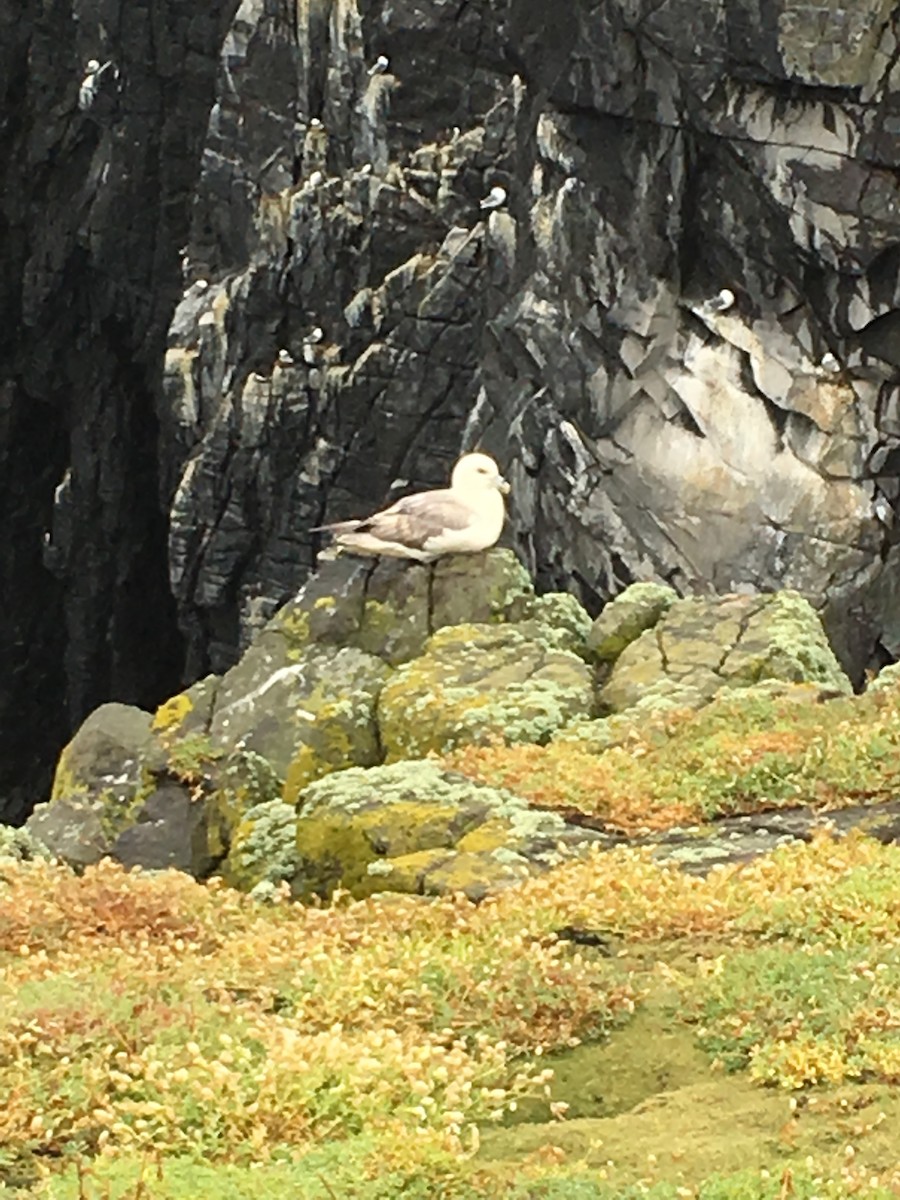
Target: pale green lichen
888	677
18	845
561	623
478	683
625	618
263	848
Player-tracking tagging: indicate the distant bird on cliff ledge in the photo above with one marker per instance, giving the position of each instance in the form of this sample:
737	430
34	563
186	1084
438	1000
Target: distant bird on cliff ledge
495	198
465	517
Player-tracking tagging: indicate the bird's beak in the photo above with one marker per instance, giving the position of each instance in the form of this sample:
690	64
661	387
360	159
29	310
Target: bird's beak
502	485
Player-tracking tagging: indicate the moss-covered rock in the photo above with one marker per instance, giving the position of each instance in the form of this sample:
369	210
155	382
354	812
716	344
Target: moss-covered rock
704	644
624	619
99	786
413	826
305	716
477	683
390	608
263	846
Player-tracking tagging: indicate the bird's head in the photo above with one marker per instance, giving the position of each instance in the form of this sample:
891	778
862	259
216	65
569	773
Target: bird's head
477	472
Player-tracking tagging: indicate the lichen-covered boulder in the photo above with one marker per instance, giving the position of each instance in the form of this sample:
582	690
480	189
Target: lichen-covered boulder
263	847
624	619
409	826
704	644
306	712
478	683
100	783
390	608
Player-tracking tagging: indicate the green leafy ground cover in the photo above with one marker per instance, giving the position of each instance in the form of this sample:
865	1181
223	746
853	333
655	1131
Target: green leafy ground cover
745	751
737	1036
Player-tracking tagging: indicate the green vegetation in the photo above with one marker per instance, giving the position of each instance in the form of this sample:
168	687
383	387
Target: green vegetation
732	1036
745	751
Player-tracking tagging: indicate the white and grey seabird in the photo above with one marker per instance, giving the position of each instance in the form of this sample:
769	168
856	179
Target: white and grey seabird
495	198
463	518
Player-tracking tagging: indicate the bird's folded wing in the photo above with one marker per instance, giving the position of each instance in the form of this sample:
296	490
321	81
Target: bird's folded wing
414	520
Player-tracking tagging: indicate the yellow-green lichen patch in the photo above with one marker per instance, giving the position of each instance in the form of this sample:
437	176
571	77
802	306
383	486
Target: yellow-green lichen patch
406	872
172	714
478	683
475	874
294	623
336	849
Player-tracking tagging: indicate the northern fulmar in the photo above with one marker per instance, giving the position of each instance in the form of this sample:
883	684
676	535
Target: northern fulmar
465	517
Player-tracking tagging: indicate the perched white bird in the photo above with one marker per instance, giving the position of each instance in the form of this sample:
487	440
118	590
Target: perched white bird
315	179
495	198
285	358
315	335
722	302
464	518
90	85
315	123
380	65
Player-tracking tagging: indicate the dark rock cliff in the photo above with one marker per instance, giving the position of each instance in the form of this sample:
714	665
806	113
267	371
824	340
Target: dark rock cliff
677	333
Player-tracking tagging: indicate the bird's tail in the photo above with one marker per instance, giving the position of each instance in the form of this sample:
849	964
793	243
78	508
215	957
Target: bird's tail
338	527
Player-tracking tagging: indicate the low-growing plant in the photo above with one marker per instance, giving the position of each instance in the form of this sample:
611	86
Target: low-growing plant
740	753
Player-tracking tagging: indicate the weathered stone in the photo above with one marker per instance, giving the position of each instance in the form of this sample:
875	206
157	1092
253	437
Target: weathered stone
390	608
477	683
624	619
305	712
413	826
702	645
169	831
99	785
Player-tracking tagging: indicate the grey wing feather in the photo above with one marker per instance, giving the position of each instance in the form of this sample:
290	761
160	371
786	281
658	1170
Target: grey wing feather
413	520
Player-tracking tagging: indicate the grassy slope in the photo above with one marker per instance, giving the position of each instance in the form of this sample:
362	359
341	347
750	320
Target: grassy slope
737	1036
